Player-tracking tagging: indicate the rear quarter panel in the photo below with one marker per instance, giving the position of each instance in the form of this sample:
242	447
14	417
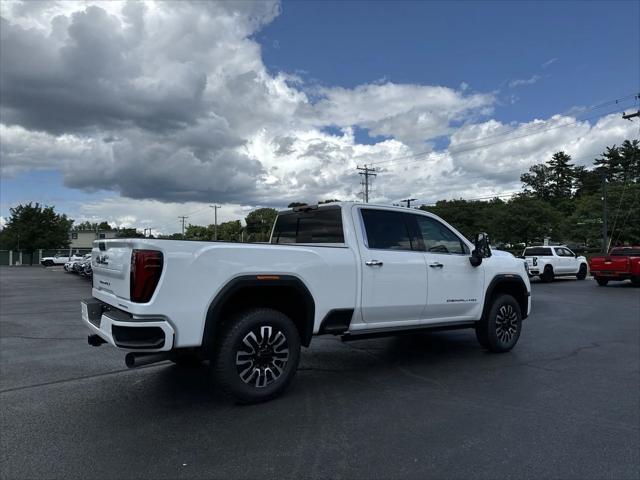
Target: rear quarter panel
195	272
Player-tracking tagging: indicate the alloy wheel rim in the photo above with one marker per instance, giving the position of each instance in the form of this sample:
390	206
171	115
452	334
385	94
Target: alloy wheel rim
262	356
506	323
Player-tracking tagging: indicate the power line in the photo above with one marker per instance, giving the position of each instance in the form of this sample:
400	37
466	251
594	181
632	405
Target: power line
366	172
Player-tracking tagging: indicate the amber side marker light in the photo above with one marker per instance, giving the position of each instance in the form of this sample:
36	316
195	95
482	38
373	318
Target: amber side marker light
268	277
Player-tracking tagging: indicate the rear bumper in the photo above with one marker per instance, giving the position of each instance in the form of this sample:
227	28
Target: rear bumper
125	332
611	274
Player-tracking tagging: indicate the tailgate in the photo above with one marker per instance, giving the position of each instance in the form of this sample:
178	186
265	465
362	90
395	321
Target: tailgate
111	267
531	261
609	264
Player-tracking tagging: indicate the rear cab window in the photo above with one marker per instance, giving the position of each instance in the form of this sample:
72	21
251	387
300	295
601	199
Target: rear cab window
625	252
538	252
309	226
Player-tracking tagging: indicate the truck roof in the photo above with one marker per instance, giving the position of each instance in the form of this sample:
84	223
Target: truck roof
345	204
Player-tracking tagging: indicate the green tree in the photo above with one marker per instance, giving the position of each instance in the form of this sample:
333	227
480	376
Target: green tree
561	175
92	226
230	231
198	232
296	204
586	182
31	227
129	233
529	220
537	181
469	217
259	224
620	164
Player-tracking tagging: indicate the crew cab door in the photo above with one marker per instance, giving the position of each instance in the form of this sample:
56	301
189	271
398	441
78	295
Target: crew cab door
455	289
568	260
394	273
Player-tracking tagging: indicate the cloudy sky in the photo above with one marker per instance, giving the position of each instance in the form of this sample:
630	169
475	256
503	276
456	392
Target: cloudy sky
137	112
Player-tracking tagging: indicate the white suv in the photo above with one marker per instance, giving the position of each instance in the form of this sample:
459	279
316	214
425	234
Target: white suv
549	262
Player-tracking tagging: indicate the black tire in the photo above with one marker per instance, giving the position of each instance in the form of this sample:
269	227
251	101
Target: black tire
47	263
635	281
547	276
500	328
252	364
602	281
582	272
187	360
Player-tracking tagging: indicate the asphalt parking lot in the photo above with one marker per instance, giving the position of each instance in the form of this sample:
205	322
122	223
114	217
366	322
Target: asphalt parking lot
564	404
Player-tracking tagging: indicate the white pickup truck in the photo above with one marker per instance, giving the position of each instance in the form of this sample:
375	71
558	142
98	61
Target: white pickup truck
59	259
548	262
349	269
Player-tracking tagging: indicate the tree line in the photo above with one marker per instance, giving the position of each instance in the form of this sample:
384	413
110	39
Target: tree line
560	201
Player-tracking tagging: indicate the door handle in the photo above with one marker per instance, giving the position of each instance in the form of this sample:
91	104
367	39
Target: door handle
373	263
436	265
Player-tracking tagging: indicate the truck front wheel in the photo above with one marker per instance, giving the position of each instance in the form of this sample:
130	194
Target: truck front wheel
500	328
257	355
582	272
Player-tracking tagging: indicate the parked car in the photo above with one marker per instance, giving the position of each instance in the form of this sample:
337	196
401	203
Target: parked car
348	269
622	263
59	259
86	269
73	266
548	262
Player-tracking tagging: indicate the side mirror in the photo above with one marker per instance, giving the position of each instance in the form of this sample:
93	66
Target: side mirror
482	250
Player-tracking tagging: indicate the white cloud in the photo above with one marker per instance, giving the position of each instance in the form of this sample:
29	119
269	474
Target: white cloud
410	113
169	106
549	62
161	217
524	81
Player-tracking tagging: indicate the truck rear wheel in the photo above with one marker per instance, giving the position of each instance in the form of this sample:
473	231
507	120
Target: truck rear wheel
257	355
635	281
500	328
602	281
547	275
582	272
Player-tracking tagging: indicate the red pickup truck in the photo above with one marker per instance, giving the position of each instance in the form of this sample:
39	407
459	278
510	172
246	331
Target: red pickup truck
622	263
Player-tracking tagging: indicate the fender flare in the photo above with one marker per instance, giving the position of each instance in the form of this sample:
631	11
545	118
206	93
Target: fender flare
265	280
511	279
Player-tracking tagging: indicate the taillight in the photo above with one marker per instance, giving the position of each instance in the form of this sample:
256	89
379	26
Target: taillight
146	268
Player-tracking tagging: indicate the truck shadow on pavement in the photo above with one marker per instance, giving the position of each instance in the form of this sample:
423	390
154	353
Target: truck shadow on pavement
335	367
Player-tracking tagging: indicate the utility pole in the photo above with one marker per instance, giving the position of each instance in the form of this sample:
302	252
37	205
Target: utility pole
183	218
215	224
605	242
408	201
366	172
